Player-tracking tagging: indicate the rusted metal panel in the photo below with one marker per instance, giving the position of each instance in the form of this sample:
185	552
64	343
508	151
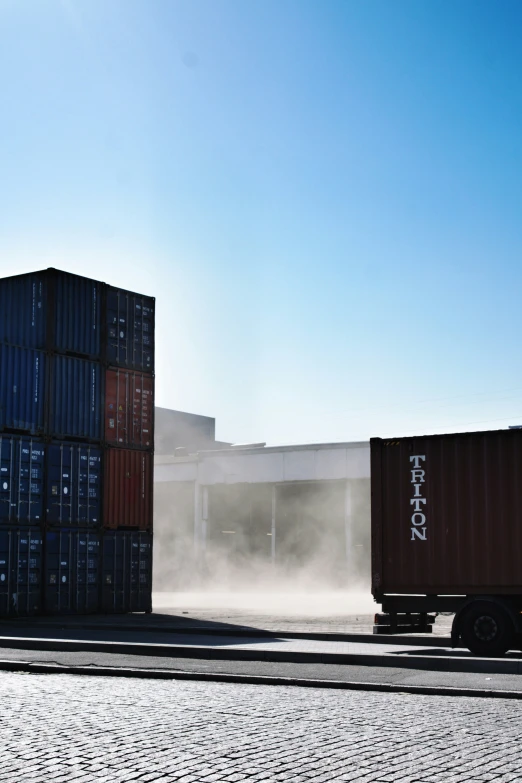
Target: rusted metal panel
128	489
447	514
129	408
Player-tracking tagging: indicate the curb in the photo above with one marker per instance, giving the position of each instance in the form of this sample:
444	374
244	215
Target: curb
398	660
326	636
245	679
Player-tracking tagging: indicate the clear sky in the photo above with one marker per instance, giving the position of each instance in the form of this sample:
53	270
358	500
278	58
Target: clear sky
325	198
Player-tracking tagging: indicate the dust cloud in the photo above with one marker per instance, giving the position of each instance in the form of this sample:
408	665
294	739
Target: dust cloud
314	560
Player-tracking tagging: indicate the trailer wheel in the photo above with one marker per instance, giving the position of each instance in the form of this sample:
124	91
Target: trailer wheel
486	629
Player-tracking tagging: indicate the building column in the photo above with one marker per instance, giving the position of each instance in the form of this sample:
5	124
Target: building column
348	527
273	528
204	519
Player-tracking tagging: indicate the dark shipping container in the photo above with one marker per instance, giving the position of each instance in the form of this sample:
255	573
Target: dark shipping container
74	477
128	488
20	571
22	389
52	310
76	398
76	304
127	572
72	567
130	330
129	408
447	514
23	310
21	480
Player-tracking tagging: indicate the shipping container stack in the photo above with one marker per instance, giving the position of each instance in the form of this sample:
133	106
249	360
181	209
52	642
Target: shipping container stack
76	446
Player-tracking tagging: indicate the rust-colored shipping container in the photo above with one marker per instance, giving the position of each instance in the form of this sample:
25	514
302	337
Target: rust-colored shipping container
447	514
128	477
129	408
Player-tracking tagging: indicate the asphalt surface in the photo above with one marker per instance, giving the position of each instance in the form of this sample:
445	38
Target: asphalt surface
389	675
84	729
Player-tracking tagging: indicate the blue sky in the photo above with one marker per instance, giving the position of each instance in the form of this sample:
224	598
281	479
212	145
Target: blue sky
324	197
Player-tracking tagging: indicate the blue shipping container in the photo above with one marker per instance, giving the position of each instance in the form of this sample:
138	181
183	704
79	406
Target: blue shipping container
21	480
127	572
22	388
20	571
76	314
76	390
23	301
73	485
72	567
130	330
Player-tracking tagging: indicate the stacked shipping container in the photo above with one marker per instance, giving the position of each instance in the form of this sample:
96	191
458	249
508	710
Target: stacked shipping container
76	445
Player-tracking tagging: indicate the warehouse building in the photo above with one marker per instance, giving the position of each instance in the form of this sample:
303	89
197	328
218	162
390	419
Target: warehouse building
294	515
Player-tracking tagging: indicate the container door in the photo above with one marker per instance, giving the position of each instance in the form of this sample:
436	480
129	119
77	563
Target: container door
5	572
73	485
140	599
59	559
21	480
129	404
87	551
26	580
130	330
115	573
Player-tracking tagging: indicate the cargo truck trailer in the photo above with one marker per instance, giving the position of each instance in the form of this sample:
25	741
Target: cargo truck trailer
446	519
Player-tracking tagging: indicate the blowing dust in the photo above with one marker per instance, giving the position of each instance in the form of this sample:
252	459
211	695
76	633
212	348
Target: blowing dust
299	552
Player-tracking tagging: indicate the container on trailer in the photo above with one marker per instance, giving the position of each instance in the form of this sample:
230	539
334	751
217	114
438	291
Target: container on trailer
129	408
22	389
446	514
23	310
52	310
20	571
72	569
73	480
75	398
127	572
22	466
127	489
130	329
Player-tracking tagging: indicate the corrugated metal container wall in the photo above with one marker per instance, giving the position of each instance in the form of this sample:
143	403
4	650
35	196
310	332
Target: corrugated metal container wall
23	310
73	485
447	514
72	563
127	489
130	330
129	407
20	571
76	396
21	480
22	389
77	320
127	572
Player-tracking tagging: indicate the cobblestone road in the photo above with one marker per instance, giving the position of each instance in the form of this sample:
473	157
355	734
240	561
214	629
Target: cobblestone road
67	728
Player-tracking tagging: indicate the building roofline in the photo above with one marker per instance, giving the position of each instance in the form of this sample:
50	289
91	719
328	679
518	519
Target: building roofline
232	452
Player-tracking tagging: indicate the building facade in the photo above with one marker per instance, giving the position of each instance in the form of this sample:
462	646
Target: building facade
291	516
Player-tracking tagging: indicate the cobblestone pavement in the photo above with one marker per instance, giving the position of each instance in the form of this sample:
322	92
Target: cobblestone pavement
66	728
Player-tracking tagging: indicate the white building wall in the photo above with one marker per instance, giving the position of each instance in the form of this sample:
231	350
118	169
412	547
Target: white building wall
300	463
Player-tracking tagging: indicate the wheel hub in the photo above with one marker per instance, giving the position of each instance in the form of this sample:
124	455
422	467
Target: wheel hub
485	628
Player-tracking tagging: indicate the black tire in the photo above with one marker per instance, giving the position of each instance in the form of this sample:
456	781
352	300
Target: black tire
486	629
